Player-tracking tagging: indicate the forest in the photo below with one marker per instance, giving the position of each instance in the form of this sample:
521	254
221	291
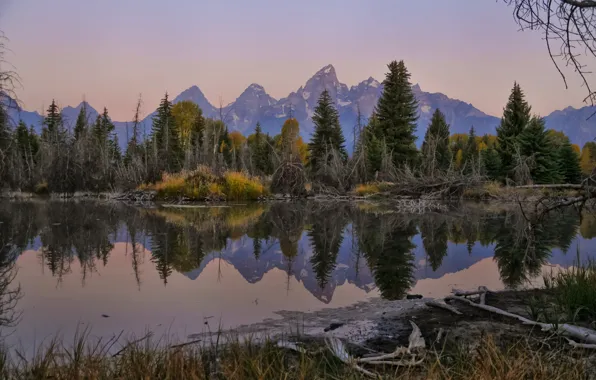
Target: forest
187	154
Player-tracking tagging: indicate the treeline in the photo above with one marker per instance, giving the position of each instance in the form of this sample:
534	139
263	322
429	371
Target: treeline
88	157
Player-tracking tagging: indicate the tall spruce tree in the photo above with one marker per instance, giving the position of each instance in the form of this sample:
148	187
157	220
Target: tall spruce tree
327	136
374	145
397	114
166	137
516	117
259	151
53	130
535	143
435	148
81	124
568	162
470	153
22	140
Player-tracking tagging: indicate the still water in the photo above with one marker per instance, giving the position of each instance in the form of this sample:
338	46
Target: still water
180	271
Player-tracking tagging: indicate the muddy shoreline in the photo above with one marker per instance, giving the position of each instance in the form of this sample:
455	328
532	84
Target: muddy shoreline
380	325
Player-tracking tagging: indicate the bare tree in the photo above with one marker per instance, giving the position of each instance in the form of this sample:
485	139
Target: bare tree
9	78
569	30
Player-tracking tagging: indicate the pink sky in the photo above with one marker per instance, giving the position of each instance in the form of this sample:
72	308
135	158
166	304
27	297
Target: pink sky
110	51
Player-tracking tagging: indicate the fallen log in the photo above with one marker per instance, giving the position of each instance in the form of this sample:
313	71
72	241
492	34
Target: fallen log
577	332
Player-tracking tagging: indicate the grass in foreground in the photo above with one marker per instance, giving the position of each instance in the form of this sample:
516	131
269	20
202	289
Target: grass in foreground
237	359
201	184
574	291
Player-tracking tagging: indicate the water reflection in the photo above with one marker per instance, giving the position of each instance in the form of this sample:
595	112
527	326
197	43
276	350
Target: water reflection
294	237
317	247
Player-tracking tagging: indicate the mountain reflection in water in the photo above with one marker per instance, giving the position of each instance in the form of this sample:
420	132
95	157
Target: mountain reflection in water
149	267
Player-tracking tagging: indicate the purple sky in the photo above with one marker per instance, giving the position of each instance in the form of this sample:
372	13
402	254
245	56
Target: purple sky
109	51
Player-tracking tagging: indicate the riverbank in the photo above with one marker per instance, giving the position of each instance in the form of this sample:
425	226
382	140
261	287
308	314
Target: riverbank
240	188
465	343
474	345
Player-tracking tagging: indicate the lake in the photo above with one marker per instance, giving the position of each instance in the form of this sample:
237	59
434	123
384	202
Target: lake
180	271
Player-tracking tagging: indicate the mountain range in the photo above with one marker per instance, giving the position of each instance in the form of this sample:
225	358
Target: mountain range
255	105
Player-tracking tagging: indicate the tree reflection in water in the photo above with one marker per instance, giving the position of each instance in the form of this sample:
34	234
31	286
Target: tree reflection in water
306	240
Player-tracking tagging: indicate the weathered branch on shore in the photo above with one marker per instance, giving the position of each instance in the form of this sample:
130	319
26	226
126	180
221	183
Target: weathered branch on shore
551	186
576	332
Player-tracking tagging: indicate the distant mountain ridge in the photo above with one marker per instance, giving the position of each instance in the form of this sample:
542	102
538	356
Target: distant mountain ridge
256	105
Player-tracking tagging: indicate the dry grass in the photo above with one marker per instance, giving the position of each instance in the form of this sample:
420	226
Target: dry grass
238	186
248	359
574	291
201	184
365	189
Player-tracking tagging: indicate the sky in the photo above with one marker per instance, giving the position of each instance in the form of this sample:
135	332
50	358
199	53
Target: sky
110	51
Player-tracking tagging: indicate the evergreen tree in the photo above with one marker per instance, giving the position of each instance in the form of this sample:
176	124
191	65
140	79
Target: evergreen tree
470	153
534	142
374	145
53	124
22	140
197	132
516	117
435	148
327	136
491	163
81	124
260	151
568	162
397	114
166	137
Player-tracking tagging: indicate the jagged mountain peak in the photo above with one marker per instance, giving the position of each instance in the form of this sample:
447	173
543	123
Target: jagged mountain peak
255	87
372	82
326	70
190	93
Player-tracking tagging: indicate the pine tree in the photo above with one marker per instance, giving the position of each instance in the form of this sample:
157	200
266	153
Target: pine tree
166	137
397	114
21	136
435	148
197	132
534	142
491	163
374	145
568	162
53	124
81	124
260	152
516	117
470	153
327	136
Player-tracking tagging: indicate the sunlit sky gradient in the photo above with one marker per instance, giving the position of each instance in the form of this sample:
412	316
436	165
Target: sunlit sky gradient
109	51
